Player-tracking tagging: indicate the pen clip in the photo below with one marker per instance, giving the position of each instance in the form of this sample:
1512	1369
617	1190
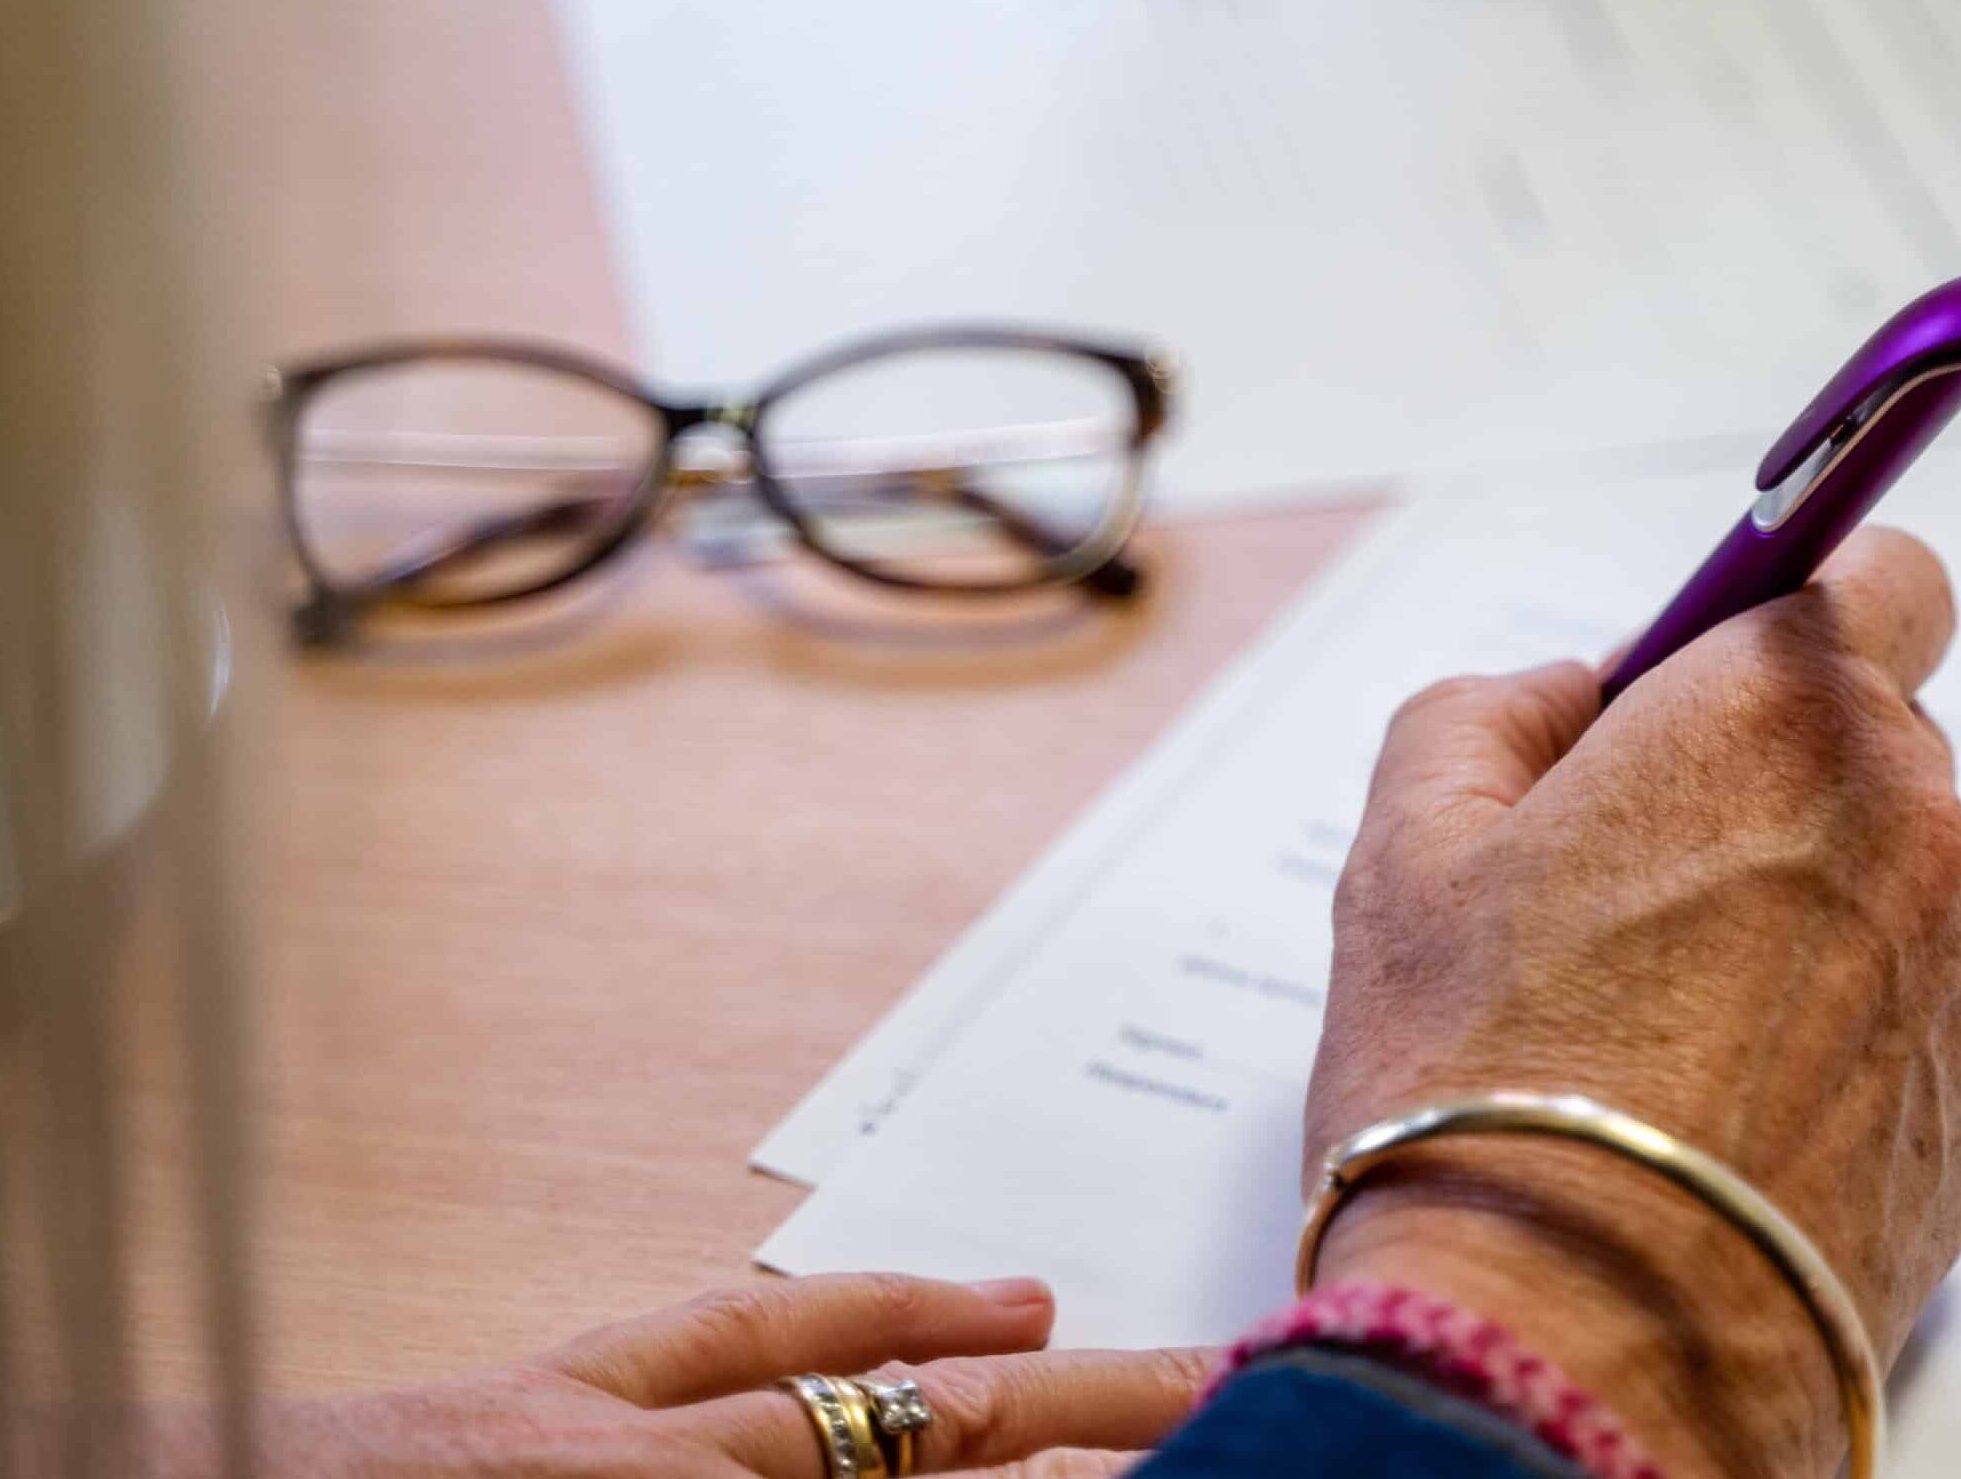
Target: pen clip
1923	338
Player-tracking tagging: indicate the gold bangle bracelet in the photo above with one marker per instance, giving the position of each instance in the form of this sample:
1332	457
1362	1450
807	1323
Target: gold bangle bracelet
1573	1117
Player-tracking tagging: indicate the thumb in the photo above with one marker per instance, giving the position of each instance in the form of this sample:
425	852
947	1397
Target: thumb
1464	751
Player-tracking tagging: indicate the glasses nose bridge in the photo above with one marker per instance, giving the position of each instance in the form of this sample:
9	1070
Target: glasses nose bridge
691	416
709	447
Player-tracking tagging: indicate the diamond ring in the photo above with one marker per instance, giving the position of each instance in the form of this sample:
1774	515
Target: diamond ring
900	1413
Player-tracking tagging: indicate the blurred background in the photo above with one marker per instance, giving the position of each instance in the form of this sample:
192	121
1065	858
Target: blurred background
1385	236
533	936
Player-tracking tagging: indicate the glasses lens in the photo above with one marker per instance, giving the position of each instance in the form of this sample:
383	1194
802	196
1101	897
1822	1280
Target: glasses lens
453	481
975	467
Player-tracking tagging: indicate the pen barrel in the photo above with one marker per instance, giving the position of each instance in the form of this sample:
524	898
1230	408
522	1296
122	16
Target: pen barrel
1754	565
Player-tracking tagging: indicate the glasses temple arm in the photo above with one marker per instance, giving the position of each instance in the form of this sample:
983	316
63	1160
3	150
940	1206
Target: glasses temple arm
1117	577
322	619
566	516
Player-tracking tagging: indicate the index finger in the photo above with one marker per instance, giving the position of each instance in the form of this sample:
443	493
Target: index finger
1463	752
1888	598
734	1339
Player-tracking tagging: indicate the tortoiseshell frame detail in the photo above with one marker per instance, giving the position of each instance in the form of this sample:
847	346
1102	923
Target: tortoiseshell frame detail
328	612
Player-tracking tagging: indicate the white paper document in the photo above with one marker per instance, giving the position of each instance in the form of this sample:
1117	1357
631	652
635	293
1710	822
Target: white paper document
1116	1104
870	1081
1384	236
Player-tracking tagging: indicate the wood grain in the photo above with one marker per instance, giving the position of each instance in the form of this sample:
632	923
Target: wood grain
552	926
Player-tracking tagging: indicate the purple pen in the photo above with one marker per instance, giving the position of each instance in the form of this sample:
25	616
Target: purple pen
1878	413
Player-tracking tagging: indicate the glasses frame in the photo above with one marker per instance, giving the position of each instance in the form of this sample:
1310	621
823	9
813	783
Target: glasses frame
330	607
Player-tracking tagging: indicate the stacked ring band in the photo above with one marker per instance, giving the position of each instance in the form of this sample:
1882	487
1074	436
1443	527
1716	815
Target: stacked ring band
842	1418
866	1428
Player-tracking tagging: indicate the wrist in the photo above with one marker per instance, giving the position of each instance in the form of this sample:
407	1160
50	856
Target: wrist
1639	1293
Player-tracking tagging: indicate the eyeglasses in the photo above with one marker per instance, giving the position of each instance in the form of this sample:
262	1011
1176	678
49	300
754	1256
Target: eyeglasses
452	475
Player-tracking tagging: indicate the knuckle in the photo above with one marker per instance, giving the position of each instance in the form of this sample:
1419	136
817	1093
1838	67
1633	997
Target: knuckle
1790	632
1379	902
1394	870
1792	685
970	1409
1395	845
1935	582
1453	692
1358	887
1909	557
1186	1372
1940	744
896	1299
1841	731
895	1371
726	1317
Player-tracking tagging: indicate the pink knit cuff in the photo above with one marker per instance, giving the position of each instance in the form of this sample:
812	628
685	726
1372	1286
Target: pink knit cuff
1462	1353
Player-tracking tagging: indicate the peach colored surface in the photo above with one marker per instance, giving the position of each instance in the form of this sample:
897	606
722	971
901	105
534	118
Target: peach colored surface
554	933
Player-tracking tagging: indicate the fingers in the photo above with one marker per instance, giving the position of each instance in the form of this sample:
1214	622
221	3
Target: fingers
737	1339
986	1412
1888	599
992	1412
1471	748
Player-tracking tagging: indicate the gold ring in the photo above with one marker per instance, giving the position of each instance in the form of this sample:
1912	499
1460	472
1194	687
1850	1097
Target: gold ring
900	1411
841	1414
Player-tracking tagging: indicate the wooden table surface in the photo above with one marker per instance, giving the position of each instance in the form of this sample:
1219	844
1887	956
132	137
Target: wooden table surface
554	930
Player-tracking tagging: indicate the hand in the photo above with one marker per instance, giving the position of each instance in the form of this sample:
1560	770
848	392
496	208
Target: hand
1731	905
686	1392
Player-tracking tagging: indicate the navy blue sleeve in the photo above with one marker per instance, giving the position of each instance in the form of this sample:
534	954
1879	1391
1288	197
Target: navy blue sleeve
1332	1413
